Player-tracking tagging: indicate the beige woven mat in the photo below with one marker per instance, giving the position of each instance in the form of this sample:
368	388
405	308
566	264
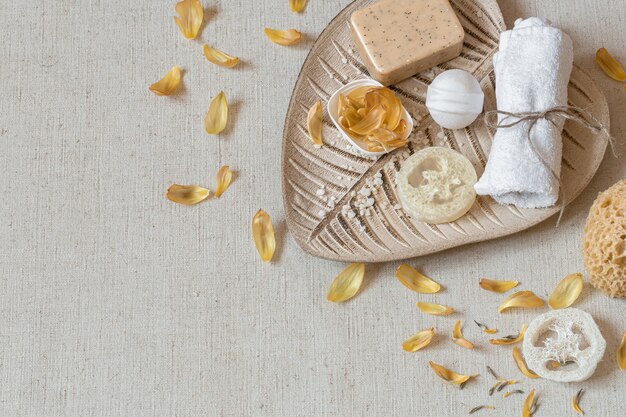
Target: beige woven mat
115	302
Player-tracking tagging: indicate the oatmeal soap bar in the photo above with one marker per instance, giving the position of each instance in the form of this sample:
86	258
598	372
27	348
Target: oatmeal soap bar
400	38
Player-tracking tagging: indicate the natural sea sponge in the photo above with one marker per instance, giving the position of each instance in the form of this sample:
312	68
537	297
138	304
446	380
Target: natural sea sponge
604	241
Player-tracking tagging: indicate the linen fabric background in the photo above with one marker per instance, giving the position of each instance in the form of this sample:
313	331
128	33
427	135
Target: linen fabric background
116	302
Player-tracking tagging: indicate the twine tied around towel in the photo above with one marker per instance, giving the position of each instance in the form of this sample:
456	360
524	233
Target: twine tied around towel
573	113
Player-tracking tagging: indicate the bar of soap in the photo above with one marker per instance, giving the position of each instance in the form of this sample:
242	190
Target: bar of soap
400	38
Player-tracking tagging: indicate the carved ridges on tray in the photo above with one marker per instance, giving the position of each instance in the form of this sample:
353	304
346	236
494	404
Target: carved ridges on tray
387	233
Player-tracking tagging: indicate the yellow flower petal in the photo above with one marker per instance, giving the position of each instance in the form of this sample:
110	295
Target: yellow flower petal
415	281
521	299
386	98
419	340
357	96
486	329
621	354
347	283
576	401
314	123
497	286
457	337
372	121
481	407
224	177
283	37
190	15
168	84
521	364
217	117
508	394
297	6
373	115
220	58
187	194
610	65
435	309
530	405
263	235
510	340
566	292
448	375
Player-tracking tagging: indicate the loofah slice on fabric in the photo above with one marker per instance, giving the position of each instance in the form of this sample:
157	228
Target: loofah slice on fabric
604	241
564	345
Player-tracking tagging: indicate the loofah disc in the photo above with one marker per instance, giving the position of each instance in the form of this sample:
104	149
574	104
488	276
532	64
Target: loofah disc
564	345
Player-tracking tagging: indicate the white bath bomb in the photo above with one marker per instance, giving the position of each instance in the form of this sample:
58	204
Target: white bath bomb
564	345
455	99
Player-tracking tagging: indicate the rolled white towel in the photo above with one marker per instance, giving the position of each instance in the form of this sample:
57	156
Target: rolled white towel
533	68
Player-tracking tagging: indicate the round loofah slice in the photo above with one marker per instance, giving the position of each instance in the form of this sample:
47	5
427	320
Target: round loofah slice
436	185
604	241
564	345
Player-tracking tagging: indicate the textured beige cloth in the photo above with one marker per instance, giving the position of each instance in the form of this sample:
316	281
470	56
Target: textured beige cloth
116	302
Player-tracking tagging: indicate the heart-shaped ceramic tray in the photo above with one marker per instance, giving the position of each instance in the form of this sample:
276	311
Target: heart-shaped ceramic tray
386	233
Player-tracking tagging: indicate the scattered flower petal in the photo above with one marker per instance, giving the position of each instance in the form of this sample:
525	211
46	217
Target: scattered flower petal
448	375
224	177
481	407
297	6
347	283
521	364
220	58
435	309
500	385
415	281
576	401
621	354
530	405
521	299
486	329
283	37
497	286
508	394
610	65
457	337
566	292
314	123
190	15
510	340
263	235
187	194
217	116
419	340
168	84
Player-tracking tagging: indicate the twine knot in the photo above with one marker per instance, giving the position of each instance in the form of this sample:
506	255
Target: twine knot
573	113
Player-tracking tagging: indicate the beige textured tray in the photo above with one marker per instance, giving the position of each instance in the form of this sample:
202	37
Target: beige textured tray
386	233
